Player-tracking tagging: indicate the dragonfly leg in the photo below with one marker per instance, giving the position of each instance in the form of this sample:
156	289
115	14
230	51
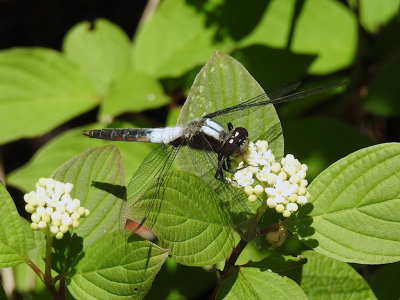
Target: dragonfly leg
230	126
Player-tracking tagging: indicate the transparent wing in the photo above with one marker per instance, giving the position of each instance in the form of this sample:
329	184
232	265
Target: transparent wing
274	97
145	186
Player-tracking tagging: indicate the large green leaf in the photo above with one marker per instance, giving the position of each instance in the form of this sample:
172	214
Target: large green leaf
12	238
175	39
117	267
99	183
255	283
376	13
224	82
65	147
132	91
274	27
326	278
355	207
328	29
101	50
190	219
39	89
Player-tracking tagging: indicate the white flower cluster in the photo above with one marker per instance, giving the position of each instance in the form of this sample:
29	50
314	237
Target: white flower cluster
52	207
282	185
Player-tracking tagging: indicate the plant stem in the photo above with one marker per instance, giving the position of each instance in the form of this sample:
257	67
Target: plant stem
48	280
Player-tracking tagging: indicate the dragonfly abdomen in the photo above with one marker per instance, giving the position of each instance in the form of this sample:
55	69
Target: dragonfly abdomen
150	135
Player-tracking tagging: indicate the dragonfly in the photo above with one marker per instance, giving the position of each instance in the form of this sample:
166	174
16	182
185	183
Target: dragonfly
209	142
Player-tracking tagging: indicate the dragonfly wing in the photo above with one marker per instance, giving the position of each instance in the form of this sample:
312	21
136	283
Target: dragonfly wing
274	97
204	165
146	186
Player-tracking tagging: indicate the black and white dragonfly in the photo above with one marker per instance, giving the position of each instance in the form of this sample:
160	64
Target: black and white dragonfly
209	142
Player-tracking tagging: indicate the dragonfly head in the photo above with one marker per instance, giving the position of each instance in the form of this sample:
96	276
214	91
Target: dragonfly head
237	141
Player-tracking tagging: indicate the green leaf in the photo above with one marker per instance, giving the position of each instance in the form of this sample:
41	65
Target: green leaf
330	140
12	239
99	183
253	283
39	90
224	82
274	27
326	278
355	207
328	29
376	13
175	39
65	147
190	219
382	98
132	91
115	267
101	50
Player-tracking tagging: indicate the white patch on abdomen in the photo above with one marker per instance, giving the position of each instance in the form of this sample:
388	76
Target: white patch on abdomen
165	135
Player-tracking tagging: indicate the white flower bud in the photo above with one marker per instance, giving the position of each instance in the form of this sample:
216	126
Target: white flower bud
42	181
258	190
292	207
304	167
66	220
54	229
41	211
272	178
59	188
286	213
81	210
295	178
276	168
87	212
303	182
292	198
252	198
75	216
59	235
279	208
46	218
29	208
49	211
50	183
248	190
301	200
64	228
49	192
42	224
75	224
56	222
283	175
35	218
40	201
40	191
60	208
302	191
302	174
66	198
271	202
71	207
34	226
285	201
68	187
